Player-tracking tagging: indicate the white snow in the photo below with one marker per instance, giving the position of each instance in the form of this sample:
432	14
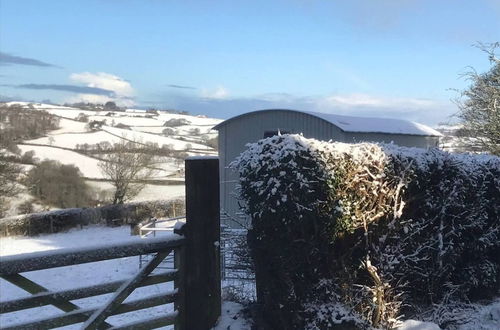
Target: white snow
418	325
187	129
232	317
135	110
195	120
69	126
74	238
371	124
70	140
69	113
87	165
149	193
376	125
129	120
148	129
201	157
153	138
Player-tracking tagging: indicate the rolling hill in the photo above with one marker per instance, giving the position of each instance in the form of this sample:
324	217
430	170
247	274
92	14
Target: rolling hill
82	135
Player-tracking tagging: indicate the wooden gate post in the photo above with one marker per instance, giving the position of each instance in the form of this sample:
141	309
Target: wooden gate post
202	282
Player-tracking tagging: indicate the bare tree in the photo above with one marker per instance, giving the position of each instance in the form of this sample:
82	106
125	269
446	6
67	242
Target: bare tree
9	173
479	105
127	166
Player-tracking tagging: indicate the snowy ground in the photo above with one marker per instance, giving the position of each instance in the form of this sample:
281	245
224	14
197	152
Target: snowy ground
91	273
87	165
143	137
72	139
149	193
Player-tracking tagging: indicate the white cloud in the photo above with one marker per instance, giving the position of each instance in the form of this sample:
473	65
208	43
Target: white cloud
422	110
219	93
122	89
368	101
428	111
99	99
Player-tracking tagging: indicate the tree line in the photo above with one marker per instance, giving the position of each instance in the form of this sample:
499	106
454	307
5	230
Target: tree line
19	124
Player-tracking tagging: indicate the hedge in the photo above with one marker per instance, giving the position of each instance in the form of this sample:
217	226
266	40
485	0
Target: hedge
357	235
64	219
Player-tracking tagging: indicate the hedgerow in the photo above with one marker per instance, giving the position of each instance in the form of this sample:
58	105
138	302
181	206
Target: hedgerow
384	230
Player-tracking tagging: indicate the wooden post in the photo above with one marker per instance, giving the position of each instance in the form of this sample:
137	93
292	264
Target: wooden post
202	283
179	285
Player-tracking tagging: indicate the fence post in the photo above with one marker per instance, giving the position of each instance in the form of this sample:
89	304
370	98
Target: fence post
202	249
180	285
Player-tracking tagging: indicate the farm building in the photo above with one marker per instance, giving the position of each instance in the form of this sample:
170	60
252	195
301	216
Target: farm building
235	132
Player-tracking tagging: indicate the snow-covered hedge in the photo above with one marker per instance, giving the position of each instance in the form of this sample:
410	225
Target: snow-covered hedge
61	220
386	230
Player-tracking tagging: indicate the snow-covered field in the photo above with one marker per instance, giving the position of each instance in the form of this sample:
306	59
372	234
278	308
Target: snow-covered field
129	120
150	191
148	129
153	138
70	140
87	165
69	126
89	274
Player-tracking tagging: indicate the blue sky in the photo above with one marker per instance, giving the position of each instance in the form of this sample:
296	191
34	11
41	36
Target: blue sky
389	58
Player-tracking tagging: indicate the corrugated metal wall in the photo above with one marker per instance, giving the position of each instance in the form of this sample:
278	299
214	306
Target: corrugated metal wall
418	141
235	133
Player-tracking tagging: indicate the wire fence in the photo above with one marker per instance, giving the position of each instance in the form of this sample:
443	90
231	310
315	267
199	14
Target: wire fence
235	262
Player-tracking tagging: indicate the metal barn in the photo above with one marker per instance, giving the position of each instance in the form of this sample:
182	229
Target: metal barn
235	132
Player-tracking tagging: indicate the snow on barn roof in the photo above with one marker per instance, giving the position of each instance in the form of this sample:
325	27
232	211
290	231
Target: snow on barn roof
361	124
376	125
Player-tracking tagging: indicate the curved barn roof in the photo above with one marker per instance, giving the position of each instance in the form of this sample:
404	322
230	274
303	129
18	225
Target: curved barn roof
358	124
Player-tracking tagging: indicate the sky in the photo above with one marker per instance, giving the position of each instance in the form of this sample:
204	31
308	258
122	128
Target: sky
380	58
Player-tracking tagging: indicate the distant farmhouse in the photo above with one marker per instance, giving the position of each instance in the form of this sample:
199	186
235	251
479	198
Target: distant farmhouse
235	132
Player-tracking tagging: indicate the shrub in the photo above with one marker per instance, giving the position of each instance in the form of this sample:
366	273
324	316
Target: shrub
26	207
4	206
174	122
384	229
61	220
58	185
28	157
213	142
82	118
168	131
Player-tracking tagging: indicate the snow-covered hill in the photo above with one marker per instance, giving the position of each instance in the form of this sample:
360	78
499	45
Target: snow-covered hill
180	134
